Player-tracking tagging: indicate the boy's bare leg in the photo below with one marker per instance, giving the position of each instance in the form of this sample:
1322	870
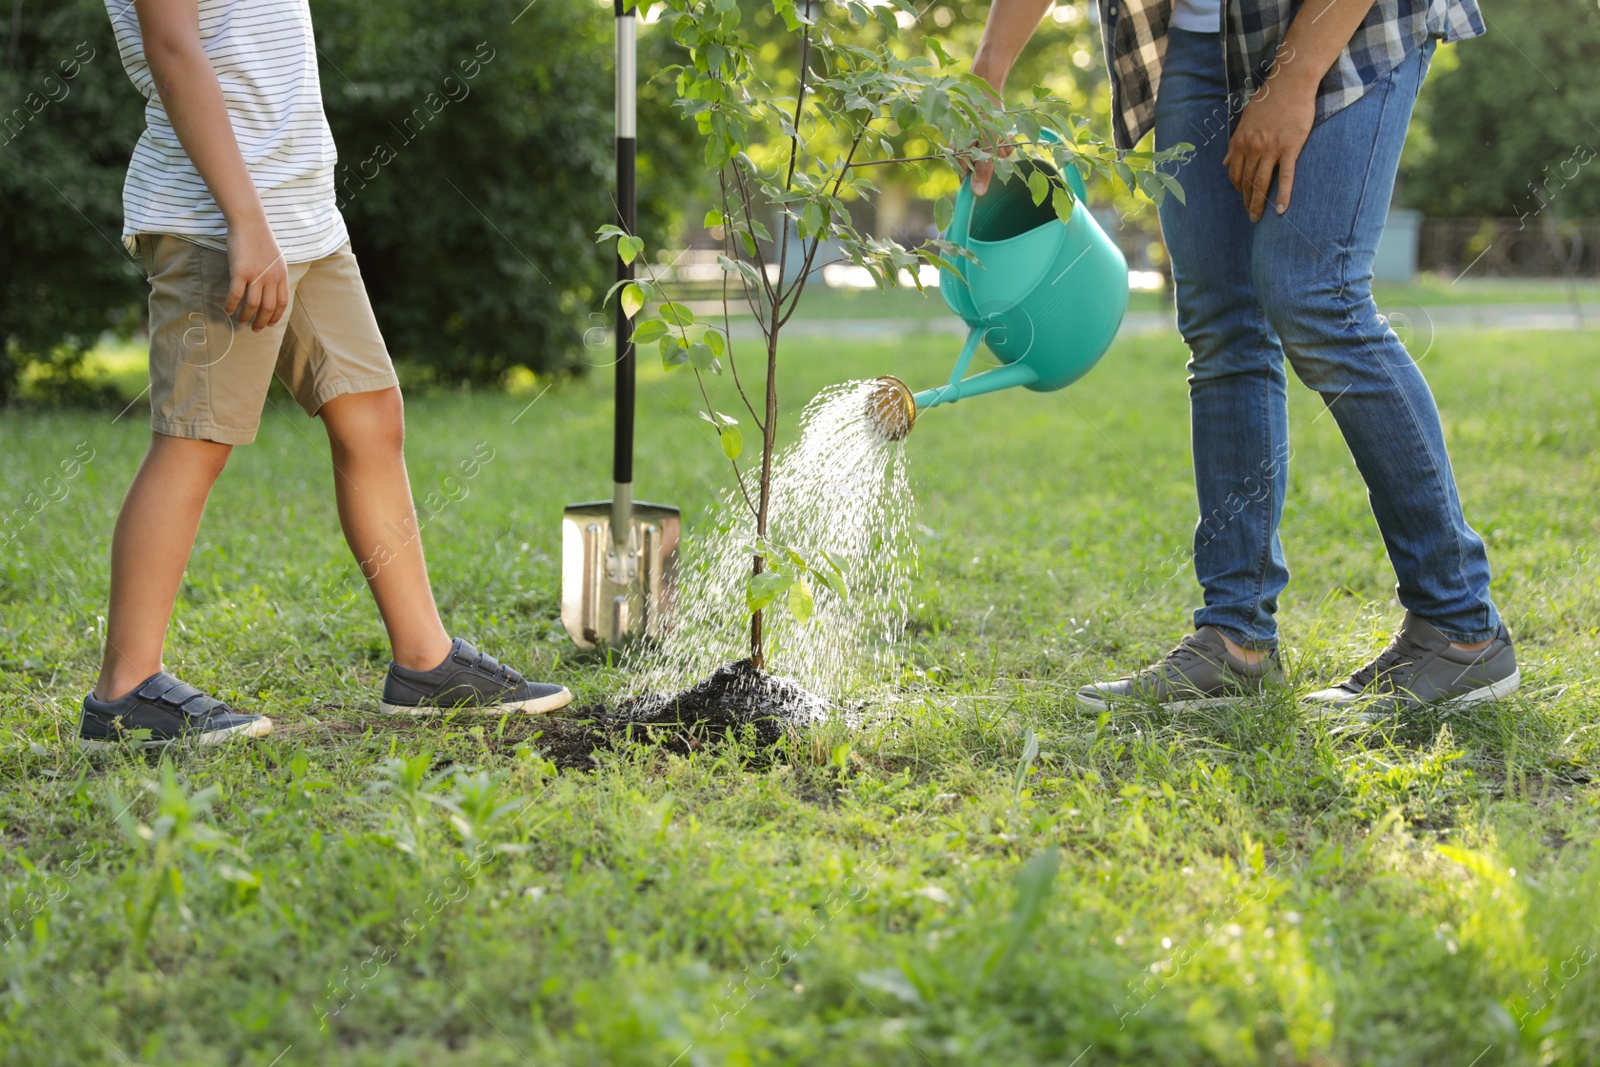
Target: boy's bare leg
367	433
150	548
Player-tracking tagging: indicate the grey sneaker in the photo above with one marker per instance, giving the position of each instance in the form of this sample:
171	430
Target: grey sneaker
1419	668
170	710
1198	673
468	680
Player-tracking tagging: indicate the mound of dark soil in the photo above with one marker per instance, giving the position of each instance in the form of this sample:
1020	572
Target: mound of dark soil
734	697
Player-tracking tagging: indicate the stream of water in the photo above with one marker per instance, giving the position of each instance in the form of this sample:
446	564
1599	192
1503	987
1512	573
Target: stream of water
841	487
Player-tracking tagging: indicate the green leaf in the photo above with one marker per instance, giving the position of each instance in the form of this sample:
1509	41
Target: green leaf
762	589
676	314
608	231
716	153
673	352
1030	753
1172	185
745	270
649	331
943	211
716	342
1039	186
714	218
700	355
811	220
632	300
801	602
629	248
1061	202
732	442
833	580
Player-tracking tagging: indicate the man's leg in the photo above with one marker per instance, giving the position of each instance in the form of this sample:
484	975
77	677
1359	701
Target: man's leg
1313	270
367	434
1237	409
150	548
1237	404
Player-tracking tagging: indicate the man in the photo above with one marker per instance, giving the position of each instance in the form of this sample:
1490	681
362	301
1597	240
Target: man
230	203
1298	112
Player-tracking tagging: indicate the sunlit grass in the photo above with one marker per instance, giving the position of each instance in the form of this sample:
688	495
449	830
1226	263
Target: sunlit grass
934	887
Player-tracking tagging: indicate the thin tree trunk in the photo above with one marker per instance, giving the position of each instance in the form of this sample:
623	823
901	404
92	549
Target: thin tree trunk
768	441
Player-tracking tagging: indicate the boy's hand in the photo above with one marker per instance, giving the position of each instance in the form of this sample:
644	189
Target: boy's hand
258	280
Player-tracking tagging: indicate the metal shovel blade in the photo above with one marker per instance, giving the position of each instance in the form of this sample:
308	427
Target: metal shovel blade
612	591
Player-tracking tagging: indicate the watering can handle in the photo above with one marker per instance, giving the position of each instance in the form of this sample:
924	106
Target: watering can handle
1074	179
961	217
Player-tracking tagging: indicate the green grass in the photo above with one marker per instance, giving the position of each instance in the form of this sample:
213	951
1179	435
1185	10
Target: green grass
926	889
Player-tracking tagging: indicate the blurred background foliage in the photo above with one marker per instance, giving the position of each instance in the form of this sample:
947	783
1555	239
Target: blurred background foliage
472	200
64	142
1509	123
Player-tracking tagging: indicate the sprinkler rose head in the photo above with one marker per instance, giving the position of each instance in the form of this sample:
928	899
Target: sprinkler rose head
891	408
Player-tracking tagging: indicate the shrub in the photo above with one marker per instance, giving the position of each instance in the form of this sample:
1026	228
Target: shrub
68	118
475	163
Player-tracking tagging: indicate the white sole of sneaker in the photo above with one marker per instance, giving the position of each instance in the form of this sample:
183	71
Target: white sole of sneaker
259	728
537	706
1489	693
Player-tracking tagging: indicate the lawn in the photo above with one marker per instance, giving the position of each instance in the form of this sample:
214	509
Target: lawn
982	873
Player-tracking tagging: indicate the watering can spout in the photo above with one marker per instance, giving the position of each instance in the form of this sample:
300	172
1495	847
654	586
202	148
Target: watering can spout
891	409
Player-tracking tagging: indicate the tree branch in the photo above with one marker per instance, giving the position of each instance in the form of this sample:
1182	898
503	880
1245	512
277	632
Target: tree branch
733	254
711	410
794	156
796	290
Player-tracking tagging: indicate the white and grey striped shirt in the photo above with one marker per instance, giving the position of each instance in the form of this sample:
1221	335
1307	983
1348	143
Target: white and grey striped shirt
266	62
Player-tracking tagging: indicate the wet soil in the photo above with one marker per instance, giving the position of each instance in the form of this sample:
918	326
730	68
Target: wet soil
737	699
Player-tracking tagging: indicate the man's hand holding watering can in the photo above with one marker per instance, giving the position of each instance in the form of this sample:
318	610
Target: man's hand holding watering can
1011	23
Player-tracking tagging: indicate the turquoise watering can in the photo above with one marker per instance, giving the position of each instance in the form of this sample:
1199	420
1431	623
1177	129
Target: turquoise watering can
1046	296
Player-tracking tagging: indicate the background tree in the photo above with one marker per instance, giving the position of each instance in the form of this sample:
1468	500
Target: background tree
474	229
68	118
1507	120
470	200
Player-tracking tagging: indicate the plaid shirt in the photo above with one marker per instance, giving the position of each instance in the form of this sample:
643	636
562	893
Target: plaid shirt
1134	33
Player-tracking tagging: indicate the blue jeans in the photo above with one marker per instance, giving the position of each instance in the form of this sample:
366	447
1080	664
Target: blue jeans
1299	285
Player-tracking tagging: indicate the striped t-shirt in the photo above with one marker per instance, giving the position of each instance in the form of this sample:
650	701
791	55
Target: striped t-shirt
266	63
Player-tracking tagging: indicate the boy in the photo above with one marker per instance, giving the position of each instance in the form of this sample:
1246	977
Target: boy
229	202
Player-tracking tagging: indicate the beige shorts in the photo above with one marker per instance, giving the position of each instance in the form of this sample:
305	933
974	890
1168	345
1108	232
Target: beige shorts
209	374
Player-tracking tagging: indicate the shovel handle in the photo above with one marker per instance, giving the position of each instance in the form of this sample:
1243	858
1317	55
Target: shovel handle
627	78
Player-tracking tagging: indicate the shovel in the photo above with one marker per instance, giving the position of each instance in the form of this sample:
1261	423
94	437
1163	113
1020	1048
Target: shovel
619	558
